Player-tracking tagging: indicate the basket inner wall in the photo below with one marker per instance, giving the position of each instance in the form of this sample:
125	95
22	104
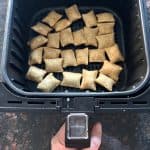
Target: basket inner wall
129	36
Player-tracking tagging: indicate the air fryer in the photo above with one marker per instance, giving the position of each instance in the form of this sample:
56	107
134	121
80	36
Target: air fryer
130	35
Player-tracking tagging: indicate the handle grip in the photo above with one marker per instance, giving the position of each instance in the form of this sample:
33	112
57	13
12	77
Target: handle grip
77	131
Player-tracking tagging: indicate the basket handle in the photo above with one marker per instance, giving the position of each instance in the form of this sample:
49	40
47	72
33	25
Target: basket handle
77	131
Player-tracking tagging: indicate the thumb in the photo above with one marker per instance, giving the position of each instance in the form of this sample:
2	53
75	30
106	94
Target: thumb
60	136
95	143
96	135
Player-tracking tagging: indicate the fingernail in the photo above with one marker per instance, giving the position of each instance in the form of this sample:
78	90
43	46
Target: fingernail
95	142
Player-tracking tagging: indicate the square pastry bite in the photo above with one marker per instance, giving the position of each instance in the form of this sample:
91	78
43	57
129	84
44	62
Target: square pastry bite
41	28
114	54
106	40
90	35
89	19
62	24
105	17
66	37
82	56
111	70
69	58
35	74
48	84
50	53
97	55
52	18
73	13
71	79
55	32
54	65
36	56
105	81
88	79
105	28
53	40
79	37
37	42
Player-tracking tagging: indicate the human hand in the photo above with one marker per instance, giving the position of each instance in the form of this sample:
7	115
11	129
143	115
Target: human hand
58	141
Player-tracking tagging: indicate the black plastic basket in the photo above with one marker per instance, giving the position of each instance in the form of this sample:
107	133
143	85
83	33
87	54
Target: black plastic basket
130	34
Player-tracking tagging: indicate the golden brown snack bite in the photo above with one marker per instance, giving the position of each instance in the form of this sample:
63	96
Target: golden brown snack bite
69	58
53	40
106	40
96	55
52	18
82	56
71	79
38	41
90	35
54	65
90	19
105	17
35	74
111	70
79	37
105	28
73	13
114	54
48	84
36	56
50	53
41	28
105	82
66	37
88	80
62	24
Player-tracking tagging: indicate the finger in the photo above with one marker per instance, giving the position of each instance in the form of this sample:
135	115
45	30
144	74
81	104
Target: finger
97	130
60	135
58	141
96	135
13	146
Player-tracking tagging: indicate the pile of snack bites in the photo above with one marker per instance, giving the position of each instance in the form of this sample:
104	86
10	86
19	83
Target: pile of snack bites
50	48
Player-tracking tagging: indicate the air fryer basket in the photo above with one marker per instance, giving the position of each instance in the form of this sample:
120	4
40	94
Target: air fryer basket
130	35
